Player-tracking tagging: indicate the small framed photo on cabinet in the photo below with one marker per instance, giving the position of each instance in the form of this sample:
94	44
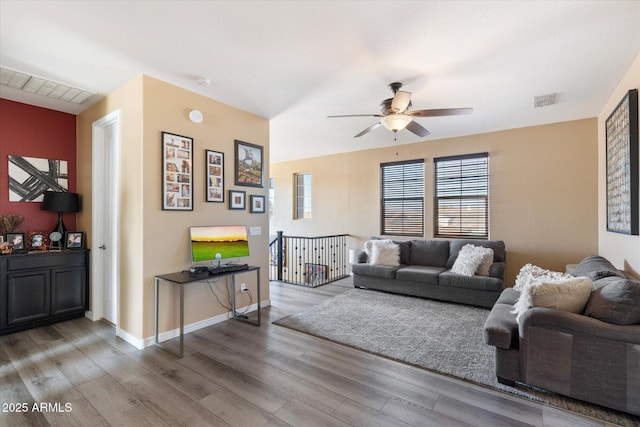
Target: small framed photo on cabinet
17	239
74	240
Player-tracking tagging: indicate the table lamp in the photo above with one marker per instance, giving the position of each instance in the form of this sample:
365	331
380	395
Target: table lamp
60	202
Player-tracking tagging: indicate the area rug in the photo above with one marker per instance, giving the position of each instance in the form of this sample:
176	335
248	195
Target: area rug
443	337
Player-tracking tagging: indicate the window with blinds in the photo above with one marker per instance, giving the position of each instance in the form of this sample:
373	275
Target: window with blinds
461	196
402	198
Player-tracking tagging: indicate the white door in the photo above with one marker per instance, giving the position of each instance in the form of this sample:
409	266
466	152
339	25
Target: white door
105	167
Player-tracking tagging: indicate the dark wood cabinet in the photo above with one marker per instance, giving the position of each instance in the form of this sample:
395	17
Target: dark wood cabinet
42	288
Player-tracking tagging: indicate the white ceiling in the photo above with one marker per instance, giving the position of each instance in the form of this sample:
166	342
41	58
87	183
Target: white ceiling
295	62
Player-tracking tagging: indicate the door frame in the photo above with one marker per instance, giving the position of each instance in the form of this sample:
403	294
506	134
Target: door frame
98	215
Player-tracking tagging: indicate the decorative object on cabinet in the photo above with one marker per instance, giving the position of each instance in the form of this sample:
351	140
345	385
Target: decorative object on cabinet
74	240
237	199
38	241
256	204
215	176
60	201
622	166
17	240
56	241
10	223
177	172
248	164
30	178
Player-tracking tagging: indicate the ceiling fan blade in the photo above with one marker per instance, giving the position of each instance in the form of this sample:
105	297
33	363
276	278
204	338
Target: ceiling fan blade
401	101
356	115
369	129
440	112
417	128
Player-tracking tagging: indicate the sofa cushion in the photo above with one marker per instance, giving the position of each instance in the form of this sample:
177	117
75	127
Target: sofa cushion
419	273
473	260
383	252
405	249
499	254
530	274
383	271
433	253
596	267
448	278
569	295
617	301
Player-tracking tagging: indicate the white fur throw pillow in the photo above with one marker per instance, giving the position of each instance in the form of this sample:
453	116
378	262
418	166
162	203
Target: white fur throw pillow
569	295
383	252
487	260
532	273
470	258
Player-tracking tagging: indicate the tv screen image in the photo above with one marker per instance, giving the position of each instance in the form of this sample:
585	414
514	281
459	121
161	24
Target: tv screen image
230	241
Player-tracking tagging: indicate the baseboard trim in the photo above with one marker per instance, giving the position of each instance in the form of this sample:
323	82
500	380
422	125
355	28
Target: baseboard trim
191	327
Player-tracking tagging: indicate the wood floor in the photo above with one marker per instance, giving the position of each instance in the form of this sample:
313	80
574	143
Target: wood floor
237	374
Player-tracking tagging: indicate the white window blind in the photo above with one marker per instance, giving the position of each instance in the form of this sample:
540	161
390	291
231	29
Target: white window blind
402	198
461	196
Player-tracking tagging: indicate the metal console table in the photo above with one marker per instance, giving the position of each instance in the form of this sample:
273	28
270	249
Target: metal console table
183	279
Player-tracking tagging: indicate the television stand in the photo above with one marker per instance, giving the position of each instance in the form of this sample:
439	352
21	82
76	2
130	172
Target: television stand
185	278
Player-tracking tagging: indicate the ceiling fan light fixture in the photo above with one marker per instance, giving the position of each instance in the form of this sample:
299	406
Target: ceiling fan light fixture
396	122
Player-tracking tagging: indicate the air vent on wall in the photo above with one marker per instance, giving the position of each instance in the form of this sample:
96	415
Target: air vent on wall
41	86
544	100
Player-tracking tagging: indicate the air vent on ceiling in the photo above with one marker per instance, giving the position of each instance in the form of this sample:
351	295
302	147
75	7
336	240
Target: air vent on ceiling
544	100
41	86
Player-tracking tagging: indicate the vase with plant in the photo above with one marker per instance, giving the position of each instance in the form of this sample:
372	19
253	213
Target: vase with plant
10	222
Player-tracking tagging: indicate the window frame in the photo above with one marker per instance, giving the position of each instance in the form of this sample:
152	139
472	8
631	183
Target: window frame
477	197
412	225
296	198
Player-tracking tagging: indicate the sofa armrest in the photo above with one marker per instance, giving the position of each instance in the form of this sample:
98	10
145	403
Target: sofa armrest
572	323
497	270
581	357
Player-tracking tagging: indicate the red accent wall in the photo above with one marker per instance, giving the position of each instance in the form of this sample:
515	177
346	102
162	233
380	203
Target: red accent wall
31	131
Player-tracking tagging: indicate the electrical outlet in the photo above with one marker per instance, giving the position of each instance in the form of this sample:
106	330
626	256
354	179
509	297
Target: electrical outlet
243	287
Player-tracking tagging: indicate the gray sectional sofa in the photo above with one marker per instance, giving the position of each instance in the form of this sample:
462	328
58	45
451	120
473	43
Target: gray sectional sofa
592	356
425	271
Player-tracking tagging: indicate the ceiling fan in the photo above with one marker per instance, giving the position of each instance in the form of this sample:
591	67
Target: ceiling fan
396	115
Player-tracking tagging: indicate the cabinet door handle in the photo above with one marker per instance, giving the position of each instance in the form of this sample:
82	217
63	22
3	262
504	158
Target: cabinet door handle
102	247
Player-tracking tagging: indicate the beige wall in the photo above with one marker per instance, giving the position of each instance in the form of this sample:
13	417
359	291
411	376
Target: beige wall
543	191
128	99
154	241
622	250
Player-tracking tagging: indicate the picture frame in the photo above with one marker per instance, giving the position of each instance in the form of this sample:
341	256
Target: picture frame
237	200
622	166
17	239
38	241
214	166
315	274
249	164
256	204
177	172
74	240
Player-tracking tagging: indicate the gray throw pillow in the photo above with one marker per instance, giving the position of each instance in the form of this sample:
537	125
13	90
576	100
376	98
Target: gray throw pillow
595	267
616	302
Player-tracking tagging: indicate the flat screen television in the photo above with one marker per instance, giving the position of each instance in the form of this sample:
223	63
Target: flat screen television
215	243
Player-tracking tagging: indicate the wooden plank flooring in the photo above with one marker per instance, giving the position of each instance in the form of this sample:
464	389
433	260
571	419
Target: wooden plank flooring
236	374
